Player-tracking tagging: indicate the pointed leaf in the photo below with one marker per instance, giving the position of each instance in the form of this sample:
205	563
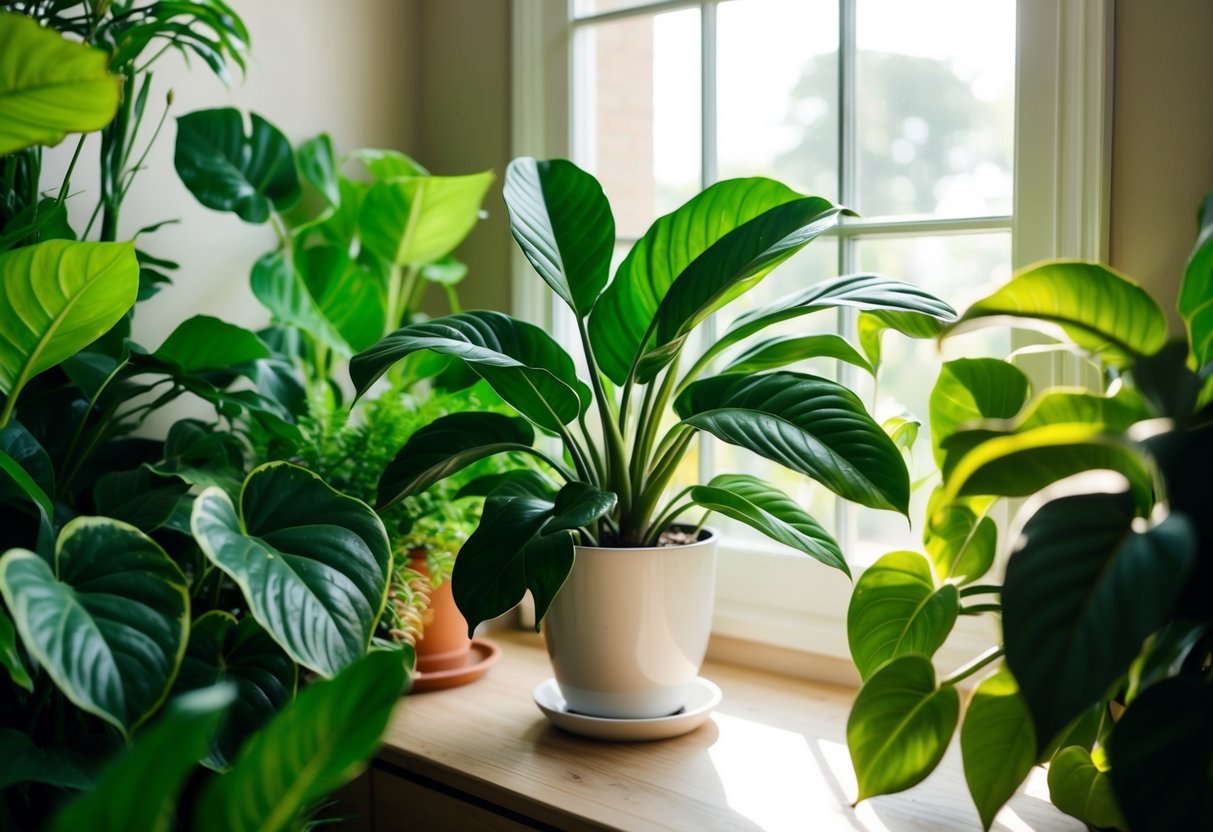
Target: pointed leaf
142	496
782	350
970	390
1196	291
21	761
281	290
349	294
204	343
313	563
996	743
388	164
318	165
10	656
962	545
10	471
411	221
1082	789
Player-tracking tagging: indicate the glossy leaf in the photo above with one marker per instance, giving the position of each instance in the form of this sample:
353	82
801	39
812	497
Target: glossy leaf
202	456
1082	789
10	656
243	655
141	496
281	290
970	390
1099	309
11	471
249	174
780	351
58	297
349	294
526	481
1196	290
50	86
315	745
203	343
1083	590
449	444
139	789
765	508
317	164
808	424
520	361
896	610
961	544
410	221
312	563
900	726
997	744
872	325
564	226
109	624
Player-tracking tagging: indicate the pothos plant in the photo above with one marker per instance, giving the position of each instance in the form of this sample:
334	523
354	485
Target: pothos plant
620	446
1107	627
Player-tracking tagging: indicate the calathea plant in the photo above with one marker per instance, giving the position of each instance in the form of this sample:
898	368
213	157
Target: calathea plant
1107	625
620	448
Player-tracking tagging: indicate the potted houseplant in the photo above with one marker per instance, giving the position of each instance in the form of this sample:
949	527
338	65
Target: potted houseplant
1107	629
625	429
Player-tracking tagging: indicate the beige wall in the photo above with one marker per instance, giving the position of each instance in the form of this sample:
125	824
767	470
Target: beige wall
1162	142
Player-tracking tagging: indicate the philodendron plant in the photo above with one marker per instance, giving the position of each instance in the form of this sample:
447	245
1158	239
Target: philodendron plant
1106	611
621	446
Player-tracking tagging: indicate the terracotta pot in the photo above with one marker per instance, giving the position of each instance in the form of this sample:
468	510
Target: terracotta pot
445	644
628	631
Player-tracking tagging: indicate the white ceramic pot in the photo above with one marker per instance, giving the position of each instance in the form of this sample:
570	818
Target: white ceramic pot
629	629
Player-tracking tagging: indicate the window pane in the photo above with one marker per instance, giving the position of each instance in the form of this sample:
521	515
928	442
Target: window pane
586	8
958	268
777	92
637	103
936	105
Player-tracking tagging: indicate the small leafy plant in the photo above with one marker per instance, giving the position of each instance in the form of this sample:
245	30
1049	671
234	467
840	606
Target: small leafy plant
621	447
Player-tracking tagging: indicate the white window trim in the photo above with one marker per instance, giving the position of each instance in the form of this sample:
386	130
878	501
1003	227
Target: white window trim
1063	113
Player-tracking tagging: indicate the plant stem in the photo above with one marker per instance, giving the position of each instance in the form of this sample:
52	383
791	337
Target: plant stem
646	429
986	658
659	478
613	449
978	609
981	589
67	177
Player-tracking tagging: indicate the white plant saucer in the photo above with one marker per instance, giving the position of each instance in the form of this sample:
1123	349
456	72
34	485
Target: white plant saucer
704	697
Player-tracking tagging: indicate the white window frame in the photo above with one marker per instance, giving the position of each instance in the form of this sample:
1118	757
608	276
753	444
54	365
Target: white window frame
1063	118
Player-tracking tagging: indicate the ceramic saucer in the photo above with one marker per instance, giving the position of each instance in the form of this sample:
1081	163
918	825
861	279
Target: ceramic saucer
481	657
704	697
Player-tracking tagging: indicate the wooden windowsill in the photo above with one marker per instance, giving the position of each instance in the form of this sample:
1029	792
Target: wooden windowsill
772	757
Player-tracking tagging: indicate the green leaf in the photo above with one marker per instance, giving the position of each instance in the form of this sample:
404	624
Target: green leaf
782	350
1083	590
414	220
139	789
203	343
202	455
445	271
19	445
10	656
1082	789
563	224
315	745
25	483
896	610
996	743
50	86
226	169
962	545
765	508
1161	752
222	650
388	164
21	761
142	497
109	624
1097	308
520	361
900	726
448	444
58	297
813	426
281	290
970	390
1196	291
318	165
872	326
313	563
520	481
349	294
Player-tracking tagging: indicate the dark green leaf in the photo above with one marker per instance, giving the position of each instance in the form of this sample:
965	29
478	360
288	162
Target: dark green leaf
202	455
141	497
281	289
11	472
782	350
997	744
23	762
521	481
1196	291
348	294
318	164
203	343
10	656
1082	789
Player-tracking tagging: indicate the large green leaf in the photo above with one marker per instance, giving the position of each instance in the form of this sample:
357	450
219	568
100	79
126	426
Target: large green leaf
520	361
139	789
900	725
21	761
564	226
226	169
629	304
204	343
56	298
1083	590
523	542
313	563
961	544
997	744
50	86
316	744
414	220
872	326
141	496
763	507
109	624
281	289
243	654
449	444
349	293
782	350
813	426
1099	309
202	455
970	390
1083	789
1196	291
896	610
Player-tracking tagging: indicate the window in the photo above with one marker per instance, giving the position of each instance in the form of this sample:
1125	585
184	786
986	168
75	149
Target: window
932	119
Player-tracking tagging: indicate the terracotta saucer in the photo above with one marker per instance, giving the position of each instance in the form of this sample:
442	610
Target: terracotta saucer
479	659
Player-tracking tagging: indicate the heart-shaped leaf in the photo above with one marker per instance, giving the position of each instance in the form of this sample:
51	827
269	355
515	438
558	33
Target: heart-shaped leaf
243	654
281	289
312	747
961	544
313	563
50	86
226	169
109	624
765	508
813	426
900	725
970	390
564	226
1083	590
772	353
413	220
896	610
997	744
203	343
1082	789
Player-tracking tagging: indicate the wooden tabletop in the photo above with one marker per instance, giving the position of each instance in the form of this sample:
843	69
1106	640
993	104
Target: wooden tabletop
772	757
